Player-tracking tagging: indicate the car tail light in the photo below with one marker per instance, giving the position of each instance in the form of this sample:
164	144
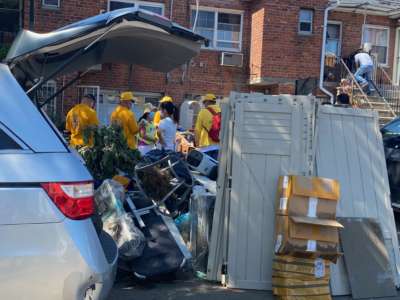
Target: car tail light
74	200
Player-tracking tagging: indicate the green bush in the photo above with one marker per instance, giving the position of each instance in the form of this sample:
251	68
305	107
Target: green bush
109	154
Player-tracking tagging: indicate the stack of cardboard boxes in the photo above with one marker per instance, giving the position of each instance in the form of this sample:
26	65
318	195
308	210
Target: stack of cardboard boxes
307	237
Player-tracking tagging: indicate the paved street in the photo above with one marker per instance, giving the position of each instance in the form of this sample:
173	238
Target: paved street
184	289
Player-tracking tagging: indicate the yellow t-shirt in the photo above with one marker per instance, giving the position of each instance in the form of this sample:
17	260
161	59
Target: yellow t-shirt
157	118
203	126
125	117
78	118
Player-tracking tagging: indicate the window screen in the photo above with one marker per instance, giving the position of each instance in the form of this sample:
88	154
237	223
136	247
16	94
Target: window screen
7	143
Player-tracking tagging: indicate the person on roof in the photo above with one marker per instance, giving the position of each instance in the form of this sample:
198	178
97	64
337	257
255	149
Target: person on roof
80	118
208	124
157	116
365	69
123	116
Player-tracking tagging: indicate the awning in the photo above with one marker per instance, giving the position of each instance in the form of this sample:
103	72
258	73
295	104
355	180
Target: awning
388	8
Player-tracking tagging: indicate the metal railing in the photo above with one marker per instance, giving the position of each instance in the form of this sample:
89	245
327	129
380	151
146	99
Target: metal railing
385	87
346	73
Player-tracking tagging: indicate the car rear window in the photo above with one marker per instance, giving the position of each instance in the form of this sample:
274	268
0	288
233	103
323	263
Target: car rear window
7	143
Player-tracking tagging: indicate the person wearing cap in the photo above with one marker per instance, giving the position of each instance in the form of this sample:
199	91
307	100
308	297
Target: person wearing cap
157	116
205	120
123	116
147	132
79	118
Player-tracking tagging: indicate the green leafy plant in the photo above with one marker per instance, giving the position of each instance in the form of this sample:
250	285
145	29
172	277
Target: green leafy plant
109	154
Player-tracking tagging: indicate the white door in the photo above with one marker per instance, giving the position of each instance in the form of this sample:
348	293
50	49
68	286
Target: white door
271	138
334	39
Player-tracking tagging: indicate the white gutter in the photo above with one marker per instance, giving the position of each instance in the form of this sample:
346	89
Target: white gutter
322	71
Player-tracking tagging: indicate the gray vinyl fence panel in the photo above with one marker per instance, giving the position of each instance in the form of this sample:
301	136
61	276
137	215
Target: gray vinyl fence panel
271	138
350	149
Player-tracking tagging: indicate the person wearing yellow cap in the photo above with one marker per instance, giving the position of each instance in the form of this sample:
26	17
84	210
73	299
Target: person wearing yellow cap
157	116
123	116
79	118
208	124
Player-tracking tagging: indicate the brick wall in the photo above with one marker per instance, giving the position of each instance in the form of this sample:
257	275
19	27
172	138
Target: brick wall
352	26
285	54
203	74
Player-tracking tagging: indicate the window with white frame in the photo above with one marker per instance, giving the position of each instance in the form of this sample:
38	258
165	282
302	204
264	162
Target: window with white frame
306	17
222	28
378	37
154	7
51	3
45	92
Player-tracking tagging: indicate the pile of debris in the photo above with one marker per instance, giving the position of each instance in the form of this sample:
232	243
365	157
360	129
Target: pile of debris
160	217
264	137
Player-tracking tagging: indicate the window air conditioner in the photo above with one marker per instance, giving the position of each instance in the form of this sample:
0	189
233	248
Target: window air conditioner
231	59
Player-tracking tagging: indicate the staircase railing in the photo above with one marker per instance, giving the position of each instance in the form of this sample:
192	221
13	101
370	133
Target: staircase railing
389	91
346	73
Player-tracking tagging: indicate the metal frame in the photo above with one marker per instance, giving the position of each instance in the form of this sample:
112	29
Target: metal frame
177	185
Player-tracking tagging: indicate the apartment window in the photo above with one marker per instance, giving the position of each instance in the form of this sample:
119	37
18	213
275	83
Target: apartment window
46	91
51	3
333	39
378	37
153	7
222	28
306	17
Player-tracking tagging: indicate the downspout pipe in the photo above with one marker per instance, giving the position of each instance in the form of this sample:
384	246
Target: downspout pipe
322	71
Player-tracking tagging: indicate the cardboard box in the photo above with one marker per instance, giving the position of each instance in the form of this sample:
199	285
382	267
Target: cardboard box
314	197
300	278
306	235
300	268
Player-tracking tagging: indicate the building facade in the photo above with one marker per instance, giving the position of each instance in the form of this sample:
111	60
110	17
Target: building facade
268	46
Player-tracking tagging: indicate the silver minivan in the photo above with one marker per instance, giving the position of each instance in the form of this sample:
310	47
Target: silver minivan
49	246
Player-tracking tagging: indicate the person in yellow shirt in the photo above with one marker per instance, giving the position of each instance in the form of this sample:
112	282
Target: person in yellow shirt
157	116
208	122
123	116
79	118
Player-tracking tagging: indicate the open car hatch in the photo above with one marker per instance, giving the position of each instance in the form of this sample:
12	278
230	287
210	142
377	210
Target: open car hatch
128	36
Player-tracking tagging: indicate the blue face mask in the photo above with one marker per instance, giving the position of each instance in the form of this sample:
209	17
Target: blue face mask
151	115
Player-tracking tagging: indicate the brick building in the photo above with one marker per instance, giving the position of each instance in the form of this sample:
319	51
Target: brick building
274	46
